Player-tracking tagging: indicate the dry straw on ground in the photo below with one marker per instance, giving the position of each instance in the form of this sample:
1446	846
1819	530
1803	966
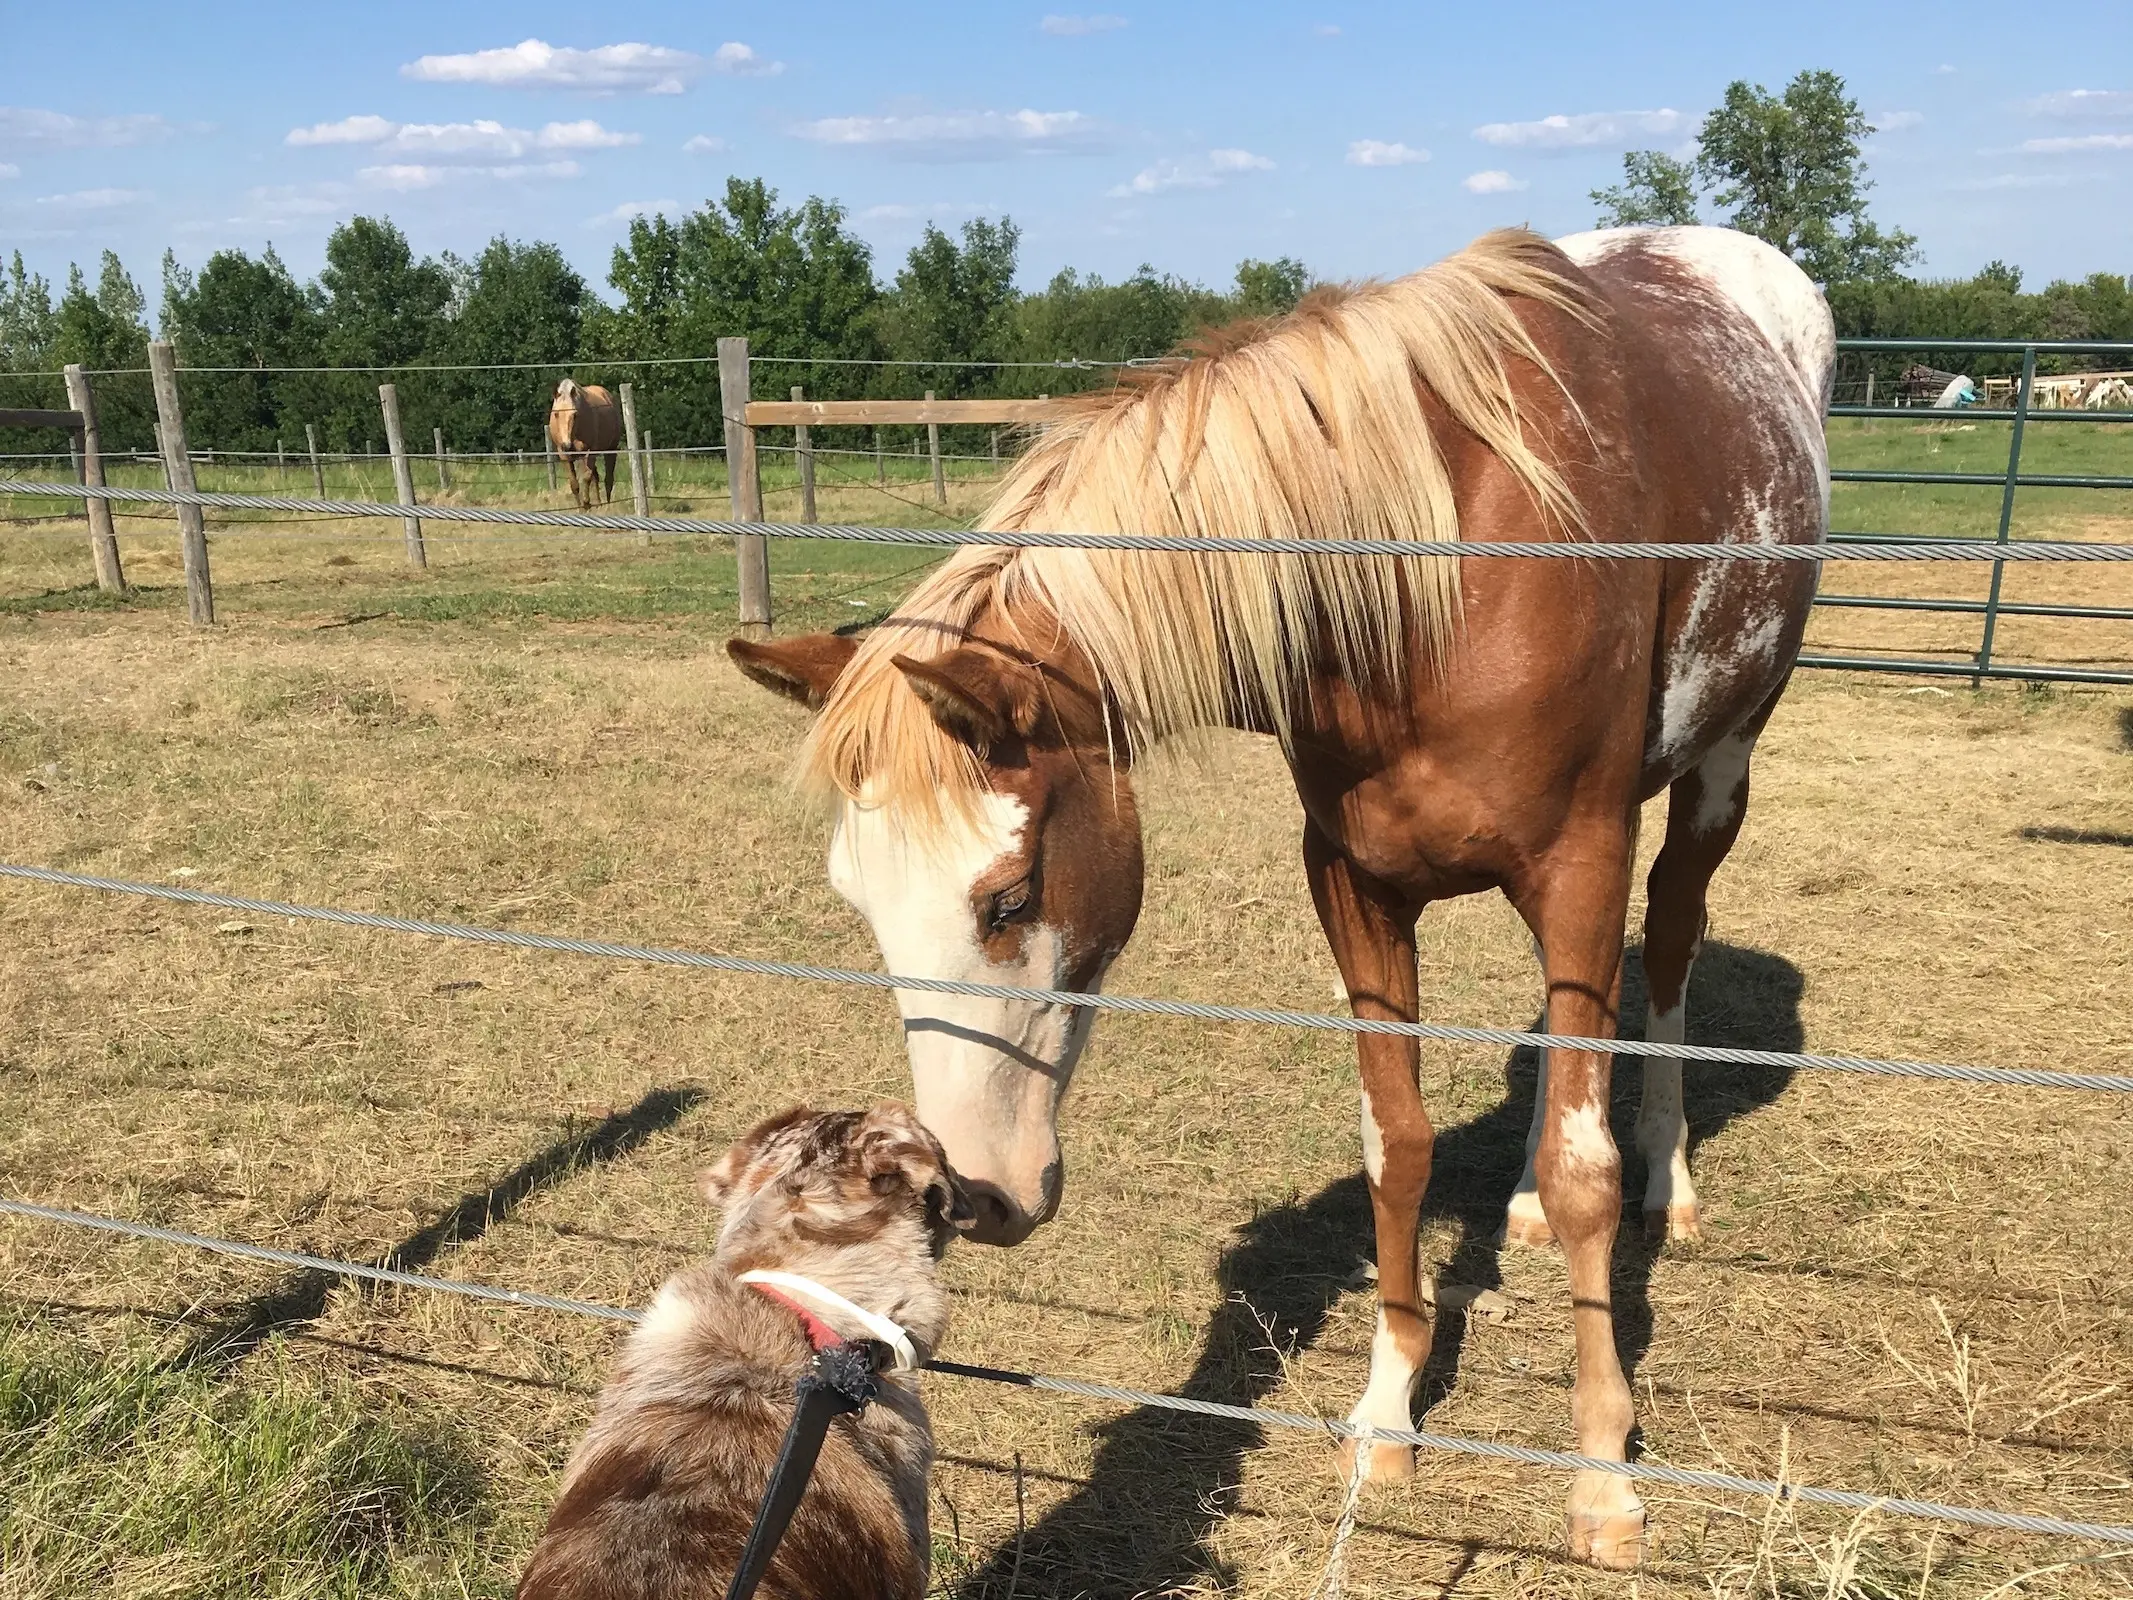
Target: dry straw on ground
1910	1287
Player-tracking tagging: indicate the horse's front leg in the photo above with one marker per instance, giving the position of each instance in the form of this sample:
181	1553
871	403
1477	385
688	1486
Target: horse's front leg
1372	932
1575	903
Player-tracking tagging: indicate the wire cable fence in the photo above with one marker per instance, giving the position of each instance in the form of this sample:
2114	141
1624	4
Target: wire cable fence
2039	550
1141	1005
1644	1471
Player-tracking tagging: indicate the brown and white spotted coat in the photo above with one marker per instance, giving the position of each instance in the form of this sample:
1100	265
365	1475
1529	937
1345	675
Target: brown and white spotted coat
1573	691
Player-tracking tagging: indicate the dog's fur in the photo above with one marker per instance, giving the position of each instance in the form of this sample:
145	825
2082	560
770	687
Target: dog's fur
659	1496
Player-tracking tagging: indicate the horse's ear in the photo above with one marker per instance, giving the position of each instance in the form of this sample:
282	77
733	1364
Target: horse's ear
803	669
976	695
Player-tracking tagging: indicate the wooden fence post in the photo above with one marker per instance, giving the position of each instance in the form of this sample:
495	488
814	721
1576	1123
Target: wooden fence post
803	449
443	482
403	475
996	447
933	448
881	462
638	492
281	466
103	542
651	480
548	449
318	473
751	551
178	472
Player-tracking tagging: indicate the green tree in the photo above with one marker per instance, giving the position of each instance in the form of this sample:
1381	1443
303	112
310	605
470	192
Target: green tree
1789	168
28	323
380	307
1270	288
512	303
1656	190
105	331
955	303
238	312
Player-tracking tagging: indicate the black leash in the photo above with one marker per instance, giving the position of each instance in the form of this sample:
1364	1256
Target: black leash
841	1381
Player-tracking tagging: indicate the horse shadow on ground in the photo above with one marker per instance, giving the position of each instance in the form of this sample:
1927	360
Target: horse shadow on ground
1162	1482
300	1298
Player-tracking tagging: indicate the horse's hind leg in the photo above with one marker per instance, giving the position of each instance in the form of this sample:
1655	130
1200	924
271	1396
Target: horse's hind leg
1703	818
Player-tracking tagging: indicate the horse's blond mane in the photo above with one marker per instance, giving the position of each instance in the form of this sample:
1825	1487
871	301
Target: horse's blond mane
1311	427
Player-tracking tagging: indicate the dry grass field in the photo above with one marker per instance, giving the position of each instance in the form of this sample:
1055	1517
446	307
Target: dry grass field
1905	1287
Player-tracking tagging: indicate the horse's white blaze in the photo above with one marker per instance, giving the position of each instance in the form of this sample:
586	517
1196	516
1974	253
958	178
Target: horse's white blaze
1723	773
1389	1396
1373	1143
988	1073
1662	1121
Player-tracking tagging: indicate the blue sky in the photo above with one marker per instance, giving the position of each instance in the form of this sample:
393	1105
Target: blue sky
1363	139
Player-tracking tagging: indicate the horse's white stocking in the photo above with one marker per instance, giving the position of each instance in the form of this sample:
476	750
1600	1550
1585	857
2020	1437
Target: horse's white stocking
1524	1222
1663	1128
1395	1362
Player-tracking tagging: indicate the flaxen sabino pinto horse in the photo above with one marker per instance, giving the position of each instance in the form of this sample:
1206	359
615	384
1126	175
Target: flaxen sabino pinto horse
1450	726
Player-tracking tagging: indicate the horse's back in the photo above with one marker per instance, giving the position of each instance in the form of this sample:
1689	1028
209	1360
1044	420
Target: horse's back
1729	350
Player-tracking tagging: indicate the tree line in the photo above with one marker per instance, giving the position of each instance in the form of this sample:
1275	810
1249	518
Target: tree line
802	286
797	281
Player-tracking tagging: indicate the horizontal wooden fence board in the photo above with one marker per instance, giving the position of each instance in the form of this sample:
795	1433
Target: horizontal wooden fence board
835	413
15	418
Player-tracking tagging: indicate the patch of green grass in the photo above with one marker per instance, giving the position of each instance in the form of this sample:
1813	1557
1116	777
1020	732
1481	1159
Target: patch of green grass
1947	444
121	1475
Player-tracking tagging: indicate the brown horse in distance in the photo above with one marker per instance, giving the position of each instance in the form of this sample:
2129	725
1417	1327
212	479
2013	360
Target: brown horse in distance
1451	726
585	425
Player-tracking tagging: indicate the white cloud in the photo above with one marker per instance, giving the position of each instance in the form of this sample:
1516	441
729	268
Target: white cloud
630	210
1586	129
484	137
737	60
1944	70
2019	180
892	212
407	176
93	199
536	64
1491	182
283	202
1896	121
349	130
1328	30
8	169
2082	103
1377	153
2074	144
703	144
1195	172
1080	27
585	134
961	135
23	127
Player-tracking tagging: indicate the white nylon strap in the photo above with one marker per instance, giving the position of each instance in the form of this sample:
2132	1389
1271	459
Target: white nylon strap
876	1325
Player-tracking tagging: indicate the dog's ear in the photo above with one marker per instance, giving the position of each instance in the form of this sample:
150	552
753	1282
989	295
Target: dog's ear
895	1150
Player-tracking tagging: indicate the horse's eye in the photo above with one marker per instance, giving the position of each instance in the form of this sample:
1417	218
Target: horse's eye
1009	904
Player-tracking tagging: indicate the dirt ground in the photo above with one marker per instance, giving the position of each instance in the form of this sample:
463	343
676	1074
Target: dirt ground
1905	1287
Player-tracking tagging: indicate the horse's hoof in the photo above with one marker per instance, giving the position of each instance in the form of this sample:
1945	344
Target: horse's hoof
1606	1521
1531	1232
1383	1463
1674	1224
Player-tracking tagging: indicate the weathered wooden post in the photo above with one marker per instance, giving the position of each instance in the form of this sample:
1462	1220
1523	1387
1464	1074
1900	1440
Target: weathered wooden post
803	450
639	492
178	472
996	447
318	473
103	542
281	466
933	448
74	456
403	475
751	551
443	482
548	445
881	461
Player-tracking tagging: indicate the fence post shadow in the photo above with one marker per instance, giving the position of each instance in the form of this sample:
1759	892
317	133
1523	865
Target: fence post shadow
301	1297
1161	1482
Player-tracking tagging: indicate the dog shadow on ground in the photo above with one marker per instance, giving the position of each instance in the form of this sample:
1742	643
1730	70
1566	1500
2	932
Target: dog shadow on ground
299	1298
1162	1482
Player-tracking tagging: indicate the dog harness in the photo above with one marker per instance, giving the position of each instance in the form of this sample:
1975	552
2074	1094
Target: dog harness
842	1378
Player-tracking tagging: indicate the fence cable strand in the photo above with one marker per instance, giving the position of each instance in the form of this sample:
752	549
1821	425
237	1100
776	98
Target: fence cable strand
1939	550
1144	1005
1487	1449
